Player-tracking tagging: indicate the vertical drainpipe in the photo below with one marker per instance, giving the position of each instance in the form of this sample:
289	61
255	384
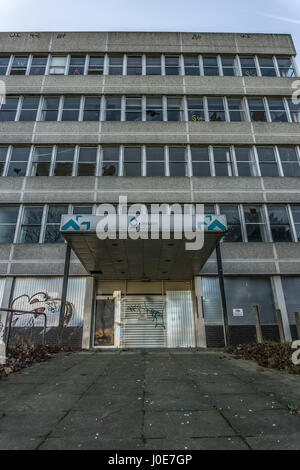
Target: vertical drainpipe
223	295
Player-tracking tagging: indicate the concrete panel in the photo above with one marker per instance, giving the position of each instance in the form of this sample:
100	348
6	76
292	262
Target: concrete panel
247	251
4	268
144	132
144	184
158	197
289	267
218	183
25	41
237	43
144	84
249	267
69	84
5	250
276	133
78	42
16	132
288	251
268	86
66	132
228	196
143	42
47	251
19	84
220	133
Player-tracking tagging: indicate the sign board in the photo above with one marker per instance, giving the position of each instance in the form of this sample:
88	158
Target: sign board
238	312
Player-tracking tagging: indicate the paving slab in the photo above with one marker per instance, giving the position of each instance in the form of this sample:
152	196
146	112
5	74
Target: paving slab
159	400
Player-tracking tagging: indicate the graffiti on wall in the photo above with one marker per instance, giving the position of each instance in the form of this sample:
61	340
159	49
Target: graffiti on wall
40	303
157	316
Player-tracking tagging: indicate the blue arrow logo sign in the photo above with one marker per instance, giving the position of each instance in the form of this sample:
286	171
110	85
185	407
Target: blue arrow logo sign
75	225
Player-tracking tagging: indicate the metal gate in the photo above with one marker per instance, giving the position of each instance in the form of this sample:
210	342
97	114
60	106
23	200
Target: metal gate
143	320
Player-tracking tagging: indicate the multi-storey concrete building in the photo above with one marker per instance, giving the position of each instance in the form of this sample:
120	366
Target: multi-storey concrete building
160	118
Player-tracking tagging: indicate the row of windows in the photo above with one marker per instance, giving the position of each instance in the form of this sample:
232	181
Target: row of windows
149	161
260	223
208	65
246	223
147	108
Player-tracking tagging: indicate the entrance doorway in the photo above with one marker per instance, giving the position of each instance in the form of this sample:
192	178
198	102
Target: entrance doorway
104	323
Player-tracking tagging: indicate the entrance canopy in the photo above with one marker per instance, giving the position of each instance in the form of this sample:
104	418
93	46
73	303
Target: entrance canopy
140	259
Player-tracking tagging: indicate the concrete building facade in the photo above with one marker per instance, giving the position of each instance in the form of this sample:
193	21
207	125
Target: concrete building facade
188	118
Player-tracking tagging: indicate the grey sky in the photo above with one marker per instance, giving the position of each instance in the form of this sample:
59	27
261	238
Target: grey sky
268	16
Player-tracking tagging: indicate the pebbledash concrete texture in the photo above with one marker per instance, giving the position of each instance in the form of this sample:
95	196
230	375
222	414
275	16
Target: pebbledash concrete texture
203	118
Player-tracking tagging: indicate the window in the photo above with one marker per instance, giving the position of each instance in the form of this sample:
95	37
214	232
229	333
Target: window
154	109
257	109
229	66
110	161
8	220
133	109
286	68
38	65
71	108
41	161
236	109
174	109
8	109
216	109
172	65
87	161
155	161
82	209
294	110
289	161
19	66
77	64
245	161
113	109
31	224
267	67
29	108
296	217
50	109
64	161
210	66
58	65
267	161
196	109
200	161
177	161
153	65
132	161
134	65
96	65
279	223
3	155
91	109
18	161
52	231
255	223
222	159
248	66
4	61
116	65
191	65
277	110
234	233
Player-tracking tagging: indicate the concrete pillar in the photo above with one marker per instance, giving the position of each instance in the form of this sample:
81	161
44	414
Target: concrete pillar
199	318
279	301
297	319
280	325
3	316
259	336
88	313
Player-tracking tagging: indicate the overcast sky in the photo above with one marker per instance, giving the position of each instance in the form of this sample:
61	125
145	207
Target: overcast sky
261	16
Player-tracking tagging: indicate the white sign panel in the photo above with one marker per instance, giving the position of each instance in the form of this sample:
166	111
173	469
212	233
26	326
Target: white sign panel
238	312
